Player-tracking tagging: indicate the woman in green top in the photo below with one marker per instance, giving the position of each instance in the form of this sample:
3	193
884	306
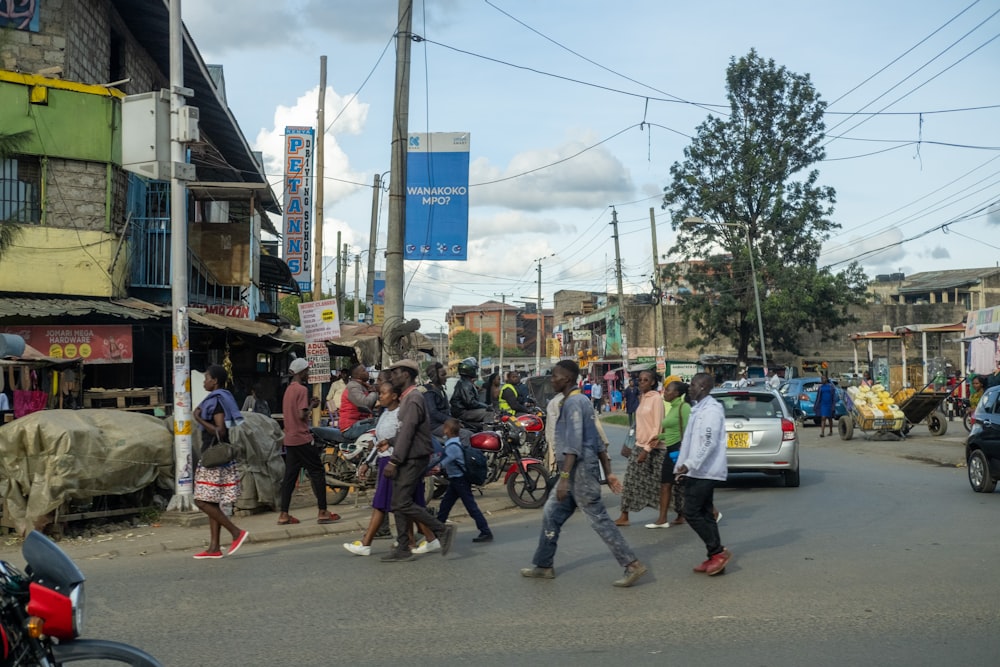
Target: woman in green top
671	431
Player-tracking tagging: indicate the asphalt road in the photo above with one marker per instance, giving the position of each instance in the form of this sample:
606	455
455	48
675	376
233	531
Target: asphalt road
874	560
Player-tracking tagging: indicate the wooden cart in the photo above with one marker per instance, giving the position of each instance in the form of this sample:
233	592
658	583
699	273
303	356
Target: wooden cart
916	407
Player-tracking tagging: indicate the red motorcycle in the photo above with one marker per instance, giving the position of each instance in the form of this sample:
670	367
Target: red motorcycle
41	613
527	479
534	428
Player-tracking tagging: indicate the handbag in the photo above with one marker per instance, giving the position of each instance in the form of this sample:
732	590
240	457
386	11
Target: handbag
218	454
629	440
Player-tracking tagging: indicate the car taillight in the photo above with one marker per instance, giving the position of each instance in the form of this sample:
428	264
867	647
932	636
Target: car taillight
787	429
804	397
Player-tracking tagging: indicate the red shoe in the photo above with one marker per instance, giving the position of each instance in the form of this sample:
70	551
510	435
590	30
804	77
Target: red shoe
703	568
717	563
238	542
208	554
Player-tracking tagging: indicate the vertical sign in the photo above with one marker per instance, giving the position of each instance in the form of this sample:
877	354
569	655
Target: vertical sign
298	203
437	196
378	299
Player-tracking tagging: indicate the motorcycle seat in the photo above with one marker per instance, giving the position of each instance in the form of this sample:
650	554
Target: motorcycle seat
328	434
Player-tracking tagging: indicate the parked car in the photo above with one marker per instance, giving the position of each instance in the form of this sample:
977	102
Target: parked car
800	396
760	433
982	447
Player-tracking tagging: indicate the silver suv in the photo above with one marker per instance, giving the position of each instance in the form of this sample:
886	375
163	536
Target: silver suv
760	433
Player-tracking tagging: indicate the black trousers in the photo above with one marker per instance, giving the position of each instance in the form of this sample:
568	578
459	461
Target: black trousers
698	501
296	458
408	474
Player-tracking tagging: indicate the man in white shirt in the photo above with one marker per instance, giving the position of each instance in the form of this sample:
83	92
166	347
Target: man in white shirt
774	381
742	382
701	464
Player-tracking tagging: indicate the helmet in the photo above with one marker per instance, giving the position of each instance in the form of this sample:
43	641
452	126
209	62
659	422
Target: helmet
468	367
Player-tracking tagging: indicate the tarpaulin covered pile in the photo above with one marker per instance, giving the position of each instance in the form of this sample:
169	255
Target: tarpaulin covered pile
53	456
258	443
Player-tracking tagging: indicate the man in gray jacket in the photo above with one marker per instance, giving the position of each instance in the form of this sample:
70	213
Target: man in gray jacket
411	452
701	464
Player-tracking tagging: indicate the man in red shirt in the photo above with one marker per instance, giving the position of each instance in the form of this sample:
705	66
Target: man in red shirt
300	452
356	404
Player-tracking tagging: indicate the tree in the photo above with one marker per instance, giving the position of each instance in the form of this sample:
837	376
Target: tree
755	171
9	228
466	344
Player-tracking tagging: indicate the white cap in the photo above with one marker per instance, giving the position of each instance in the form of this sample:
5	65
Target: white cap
297	366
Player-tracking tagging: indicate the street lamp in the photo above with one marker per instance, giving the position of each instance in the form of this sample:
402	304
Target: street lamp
694	220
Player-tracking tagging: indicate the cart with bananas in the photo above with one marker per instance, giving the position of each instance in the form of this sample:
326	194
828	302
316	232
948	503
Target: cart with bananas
873	410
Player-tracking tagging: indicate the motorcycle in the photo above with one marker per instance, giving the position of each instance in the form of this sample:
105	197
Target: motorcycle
341	460
534	428
41	613
527	479
961	407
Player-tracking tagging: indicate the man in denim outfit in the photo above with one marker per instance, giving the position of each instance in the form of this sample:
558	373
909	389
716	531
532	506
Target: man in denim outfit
579	452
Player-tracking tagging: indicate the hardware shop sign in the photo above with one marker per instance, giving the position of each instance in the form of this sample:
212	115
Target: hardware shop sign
98	344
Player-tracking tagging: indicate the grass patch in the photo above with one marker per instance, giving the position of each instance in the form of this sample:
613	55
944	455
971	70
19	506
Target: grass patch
615	420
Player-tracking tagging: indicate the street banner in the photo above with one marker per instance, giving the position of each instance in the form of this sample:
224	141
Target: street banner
297	218
96	344
378	299
437	196
318	356
320	321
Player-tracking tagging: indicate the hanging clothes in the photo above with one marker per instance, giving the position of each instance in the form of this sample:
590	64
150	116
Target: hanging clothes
982	355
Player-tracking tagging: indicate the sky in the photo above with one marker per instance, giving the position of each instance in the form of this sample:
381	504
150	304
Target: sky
587	104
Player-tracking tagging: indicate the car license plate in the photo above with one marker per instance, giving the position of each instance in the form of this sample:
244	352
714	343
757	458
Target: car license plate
738	440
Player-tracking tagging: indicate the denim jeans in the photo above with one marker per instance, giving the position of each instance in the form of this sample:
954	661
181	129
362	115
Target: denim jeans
584	493
408	474
459	488
698	502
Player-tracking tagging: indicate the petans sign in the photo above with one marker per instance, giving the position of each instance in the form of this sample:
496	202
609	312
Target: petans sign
101	344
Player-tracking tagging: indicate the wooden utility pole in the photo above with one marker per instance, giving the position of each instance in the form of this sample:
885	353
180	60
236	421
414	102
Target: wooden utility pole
317	247
370	282
357	287
396	231
338	292
503	309
658	324
621	296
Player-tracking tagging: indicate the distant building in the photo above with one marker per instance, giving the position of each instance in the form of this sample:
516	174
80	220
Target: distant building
972	289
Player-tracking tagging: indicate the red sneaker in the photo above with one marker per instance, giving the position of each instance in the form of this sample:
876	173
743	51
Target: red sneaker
703	568
717	563
208	554
238	542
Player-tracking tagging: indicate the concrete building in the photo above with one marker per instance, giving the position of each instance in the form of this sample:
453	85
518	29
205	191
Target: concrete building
971	289
94	245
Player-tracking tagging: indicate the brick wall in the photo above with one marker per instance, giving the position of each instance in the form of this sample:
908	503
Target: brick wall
87	41
75	194
32	52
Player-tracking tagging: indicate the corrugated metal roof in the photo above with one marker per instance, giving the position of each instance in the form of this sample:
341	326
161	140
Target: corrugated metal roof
41	307
928	281
233	324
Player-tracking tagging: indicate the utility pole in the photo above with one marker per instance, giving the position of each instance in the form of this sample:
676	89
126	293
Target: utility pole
396	228
357	286
317	247
184	483
503	310
370	282
338	293
621	296
480	362
345	257
658	324
540	324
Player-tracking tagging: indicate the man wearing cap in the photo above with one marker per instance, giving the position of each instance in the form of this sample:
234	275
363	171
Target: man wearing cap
299	449
411	452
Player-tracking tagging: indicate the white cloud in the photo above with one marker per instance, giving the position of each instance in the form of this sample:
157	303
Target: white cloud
883	250
587	180
507	223
337	164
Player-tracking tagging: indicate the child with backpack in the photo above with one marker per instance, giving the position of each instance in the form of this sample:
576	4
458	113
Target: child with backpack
459	486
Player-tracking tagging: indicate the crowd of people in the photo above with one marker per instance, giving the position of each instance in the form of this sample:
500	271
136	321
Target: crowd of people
676	453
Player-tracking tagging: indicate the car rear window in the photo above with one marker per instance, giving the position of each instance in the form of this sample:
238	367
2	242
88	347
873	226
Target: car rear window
749	405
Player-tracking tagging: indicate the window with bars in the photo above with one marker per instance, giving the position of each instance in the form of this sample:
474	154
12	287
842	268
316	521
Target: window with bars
20	189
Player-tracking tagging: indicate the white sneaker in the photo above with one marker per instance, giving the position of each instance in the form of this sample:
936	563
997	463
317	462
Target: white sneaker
357	548
658	525
426	547
718	517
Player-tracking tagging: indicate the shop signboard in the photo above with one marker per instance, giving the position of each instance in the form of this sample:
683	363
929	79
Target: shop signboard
94	344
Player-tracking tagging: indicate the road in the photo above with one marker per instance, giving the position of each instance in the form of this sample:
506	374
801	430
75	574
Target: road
874	560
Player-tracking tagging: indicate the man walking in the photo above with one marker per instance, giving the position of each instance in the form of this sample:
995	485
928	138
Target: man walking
299	449
579	452
410	455
631	401
701	464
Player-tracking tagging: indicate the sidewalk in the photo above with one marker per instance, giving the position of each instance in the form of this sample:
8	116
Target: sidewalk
188	531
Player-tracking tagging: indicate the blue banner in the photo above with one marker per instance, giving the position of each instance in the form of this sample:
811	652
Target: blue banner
437	196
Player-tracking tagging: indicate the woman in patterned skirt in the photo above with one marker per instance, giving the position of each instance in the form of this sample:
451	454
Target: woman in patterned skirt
645	462
216	414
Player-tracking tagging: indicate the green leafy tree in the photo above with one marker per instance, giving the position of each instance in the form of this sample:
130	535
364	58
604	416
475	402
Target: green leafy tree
288	307
466	344
754	170
347	310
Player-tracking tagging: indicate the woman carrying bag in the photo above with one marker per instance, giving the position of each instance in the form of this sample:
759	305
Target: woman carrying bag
645	462
218	484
